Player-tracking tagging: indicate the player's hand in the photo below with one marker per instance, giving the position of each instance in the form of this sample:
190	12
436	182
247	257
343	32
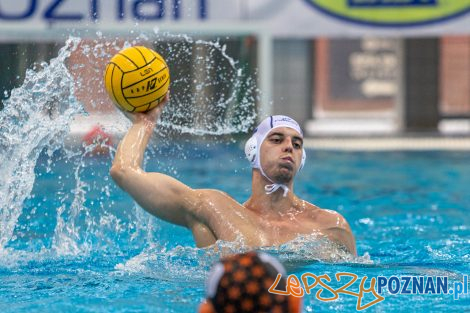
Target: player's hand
150	116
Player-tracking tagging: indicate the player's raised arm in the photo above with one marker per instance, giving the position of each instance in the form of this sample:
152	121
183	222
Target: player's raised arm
137	80
159	194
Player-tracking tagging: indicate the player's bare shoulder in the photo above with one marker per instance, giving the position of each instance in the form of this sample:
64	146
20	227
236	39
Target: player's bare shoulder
327	218
332	224
333	219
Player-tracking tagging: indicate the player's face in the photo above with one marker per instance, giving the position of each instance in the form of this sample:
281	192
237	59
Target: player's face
281	154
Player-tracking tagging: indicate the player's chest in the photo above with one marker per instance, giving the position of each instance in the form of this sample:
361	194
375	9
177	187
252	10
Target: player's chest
277	232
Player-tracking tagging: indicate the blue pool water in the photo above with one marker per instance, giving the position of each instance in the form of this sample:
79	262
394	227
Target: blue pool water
81	245
71	241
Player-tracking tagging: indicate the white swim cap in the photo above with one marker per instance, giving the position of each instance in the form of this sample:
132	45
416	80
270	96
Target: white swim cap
252	146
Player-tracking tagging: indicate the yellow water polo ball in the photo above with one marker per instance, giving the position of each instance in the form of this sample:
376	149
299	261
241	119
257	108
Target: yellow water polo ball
137	79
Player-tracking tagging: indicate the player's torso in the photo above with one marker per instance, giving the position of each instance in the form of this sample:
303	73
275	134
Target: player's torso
229	220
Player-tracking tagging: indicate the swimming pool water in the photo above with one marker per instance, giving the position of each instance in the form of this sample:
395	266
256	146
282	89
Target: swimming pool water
81	245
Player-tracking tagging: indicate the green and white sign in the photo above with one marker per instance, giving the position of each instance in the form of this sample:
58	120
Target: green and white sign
55	19
393	12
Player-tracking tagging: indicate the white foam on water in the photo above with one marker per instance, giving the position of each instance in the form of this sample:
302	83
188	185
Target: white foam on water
193	264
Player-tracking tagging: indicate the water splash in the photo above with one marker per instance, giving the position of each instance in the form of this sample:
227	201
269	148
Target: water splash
35	117
211	92
215	107
306	249
193	264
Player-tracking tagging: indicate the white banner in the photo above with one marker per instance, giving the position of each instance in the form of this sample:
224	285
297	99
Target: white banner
279	18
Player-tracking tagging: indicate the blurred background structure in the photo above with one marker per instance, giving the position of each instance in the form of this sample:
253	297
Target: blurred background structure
341	68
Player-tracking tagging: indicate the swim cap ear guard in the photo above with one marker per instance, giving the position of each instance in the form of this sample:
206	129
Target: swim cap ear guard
250	149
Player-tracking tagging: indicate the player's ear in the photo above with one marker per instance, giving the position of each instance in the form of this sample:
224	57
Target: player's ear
295	304
206	307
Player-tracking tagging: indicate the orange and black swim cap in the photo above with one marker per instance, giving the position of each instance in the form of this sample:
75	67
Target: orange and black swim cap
240	283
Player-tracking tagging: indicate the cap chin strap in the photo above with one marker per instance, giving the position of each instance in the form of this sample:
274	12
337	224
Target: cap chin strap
272	188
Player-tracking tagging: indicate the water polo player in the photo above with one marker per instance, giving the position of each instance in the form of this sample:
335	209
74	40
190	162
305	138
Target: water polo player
241	282
271	216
